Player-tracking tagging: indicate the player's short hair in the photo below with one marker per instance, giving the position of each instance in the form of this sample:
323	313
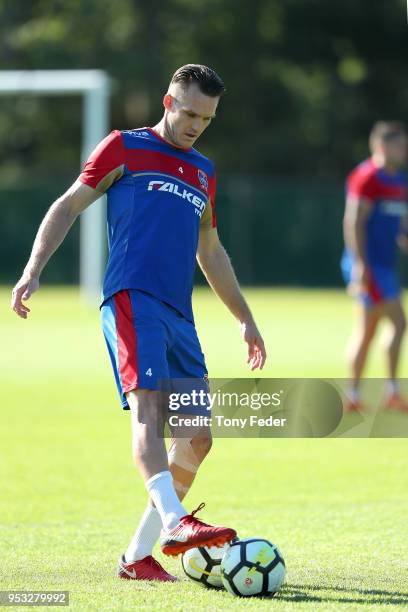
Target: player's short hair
206	78
384	131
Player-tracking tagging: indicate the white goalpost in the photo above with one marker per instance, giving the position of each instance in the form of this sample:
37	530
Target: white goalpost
94	86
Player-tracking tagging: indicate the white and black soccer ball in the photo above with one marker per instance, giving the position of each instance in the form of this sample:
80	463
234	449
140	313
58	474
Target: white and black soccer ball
203	564
252	566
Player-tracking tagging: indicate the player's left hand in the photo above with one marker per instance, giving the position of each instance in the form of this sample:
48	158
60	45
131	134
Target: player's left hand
256	347
23	291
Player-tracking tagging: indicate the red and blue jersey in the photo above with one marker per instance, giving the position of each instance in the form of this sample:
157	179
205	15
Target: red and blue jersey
154	213
387	195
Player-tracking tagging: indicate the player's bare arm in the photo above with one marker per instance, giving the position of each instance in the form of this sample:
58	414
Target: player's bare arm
217	268
355	219
51	233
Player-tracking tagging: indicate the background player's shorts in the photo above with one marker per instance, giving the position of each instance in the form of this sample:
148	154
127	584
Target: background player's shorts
151	345
384	285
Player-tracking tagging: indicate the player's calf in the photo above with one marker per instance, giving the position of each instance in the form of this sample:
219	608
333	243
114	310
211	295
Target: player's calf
185	457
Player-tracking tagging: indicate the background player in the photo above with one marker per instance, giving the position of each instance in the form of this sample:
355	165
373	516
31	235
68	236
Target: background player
374	225
161	197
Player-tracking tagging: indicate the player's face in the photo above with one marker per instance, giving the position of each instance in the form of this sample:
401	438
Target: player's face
189	113
395	150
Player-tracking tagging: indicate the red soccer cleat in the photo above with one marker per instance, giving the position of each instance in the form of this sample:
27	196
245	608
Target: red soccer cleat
191	532
144	569
396	403
354	406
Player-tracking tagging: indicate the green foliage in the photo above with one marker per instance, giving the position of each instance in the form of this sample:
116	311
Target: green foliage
26	205
304	82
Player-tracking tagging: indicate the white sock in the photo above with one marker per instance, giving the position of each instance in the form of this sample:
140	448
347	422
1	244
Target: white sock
392	387
162	492
146	536
353	394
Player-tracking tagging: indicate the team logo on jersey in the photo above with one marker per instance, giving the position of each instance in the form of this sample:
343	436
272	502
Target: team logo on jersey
198	203
138	133
203	178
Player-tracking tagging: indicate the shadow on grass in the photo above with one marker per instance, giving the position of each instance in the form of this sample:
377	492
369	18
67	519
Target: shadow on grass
301	592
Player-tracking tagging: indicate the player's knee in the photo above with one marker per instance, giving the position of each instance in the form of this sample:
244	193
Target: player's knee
146	406
399	325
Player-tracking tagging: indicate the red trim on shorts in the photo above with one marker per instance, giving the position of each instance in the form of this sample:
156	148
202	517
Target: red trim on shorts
374	291
127	344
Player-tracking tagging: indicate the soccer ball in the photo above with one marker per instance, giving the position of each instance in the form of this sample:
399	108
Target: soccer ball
253	566
203	564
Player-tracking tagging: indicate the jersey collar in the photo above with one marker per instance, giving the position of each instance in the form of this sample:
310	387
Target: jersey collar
156	135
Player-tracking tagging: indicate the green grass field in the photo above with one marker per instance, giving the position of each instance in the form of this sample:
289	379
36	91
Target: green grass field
70	498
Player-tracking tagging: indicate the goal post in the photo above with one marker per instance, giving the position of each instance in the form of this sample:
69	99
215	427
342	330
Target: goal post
94	87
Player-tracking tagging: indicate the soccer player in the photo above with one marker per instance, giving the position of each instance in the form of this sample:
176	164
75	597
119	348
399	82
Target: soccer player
375	223
161	218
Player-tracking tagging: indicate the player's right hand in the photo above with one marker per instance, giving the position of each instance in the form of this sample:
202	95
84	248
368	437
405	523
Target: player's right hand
22	291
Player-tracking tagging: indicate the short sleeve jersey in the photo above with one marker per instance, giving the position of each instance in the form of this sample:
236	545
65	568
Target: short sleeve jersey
154	213
387	195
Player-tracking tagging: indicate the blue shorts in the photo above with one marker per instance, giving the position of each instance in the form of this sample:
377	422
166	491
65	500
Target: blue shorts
383	286
152	346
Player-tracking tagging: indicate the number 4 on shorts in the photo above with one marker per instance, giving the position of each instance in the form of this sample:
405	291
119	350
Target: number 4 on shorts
149	372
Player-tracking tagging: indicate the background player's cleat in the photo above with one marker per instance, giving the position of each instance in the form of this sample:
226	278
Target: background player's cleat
144	569
353	406
191	532
397	403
